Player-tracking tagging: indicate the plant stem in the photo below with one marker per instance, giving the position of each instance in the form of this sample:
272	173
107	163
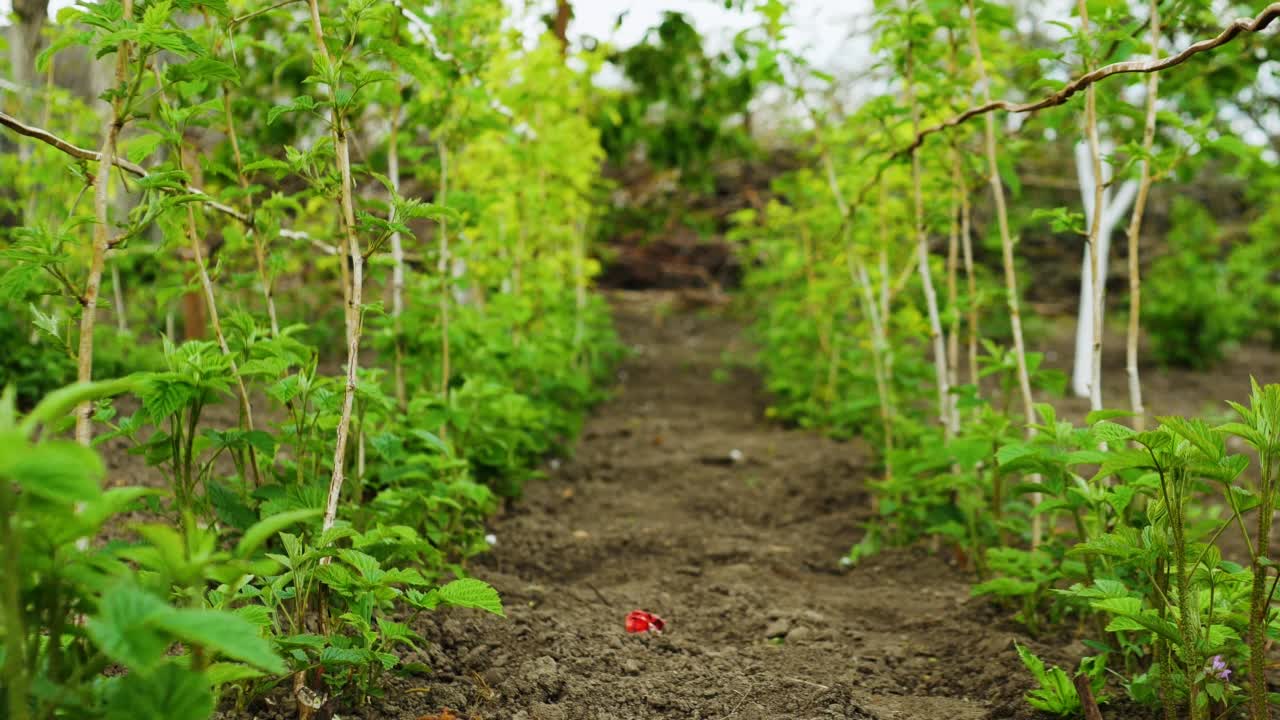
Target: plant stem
949	424
1006	249
117	292
881	364
1259	599
397	254
953	285
442	198
354	291
1135	231
101	232
206	285
579	286
966	248
15	671
259	245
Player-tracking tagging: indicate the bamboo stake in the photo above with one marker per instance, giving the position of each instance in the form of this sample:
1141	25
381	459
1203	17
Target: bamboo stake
101	234
1135	232
1006	248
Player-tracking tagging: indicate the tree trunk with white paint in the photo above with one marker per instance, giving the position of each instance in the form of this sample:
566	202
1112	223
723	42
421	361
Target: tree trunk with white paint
1114	206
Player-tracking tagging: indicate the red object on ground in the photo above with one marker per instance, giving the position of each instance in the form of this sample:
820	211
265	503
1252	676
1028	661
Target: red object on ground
639	621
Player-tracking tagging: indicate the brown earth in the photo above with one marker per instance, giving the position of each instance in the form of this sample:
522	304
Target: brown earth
741	559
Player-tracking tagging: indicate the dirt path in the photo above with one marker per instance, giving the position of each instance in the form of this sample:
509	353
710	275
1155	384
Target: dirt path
739	558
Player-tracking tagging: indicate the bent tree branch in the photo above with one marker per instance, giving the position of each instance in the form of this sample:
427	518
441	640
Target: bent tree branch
1256	24
1242	25
75	151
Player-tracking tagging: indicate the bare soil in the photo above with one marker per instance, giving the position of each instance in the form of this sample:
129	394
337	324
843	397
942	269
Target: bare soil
741	558
683	500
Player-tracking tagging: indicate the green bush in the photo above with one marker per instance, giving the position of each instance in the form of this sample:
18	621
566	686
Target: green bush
34	368
1192	306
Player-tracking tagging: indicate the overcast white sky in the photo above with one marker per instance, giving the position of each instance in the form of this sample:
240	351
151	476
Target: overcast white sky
823	27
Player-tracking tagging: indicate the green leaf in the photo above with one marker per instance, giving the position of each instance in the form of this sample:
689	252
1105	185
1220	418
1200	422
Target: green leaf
301	103
331	656
170	692
1100	415
140	148
1011	453
110	503
122	628
472	593
59	471
58	403
203	69
256	536
224	633
225	673
1112	433
1118	460
1195	431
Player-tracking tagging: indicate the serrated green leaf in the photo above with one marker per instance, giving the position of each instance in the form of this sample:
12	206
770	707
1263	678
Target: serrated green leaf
222	632
262	531
472	593
122	627
171	691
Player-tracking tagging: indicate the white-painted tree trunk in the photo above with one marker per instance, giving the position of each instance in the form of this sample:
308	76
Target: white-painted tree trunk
1115	205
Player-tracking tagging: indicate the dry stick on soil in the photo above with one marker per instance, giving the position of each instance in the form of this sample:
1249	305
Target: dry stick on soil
101	232
354	292
75	151
1010	270
1135	232
1089	704
1095	227
926	277
1256	24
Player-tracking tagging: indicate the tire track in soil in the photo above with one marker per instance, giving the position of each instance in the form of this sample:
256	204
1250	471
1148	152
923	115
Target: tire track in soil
730	554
